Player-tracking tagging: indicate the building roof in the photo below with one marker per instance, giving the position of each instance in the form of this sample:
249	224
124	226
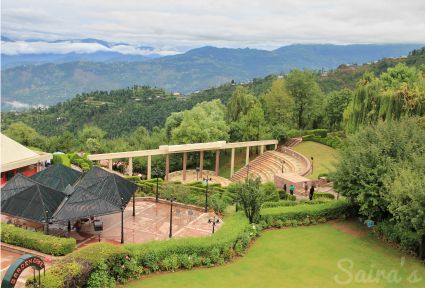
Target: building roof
25	198
15	155
58	177
99	192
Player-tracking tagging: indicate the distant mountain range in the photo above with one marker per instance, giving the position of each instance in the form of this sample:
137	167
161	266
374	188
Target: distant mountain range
194	70
38	51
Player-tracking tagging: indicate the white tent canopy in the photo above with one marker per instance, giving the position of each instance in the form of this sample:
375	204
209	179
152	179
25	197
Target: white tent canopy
15	155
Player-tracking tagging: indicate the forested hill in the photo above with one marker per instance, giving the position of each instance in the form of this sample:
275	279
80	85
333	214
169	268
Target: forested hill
119	112
194	70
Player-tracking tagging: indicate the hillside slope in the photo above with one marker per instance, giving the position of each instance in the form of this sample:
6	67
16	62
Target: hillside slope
194	70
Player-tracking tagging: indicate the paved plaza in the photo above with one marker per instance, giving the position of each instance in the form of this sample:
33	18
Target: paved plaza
151	222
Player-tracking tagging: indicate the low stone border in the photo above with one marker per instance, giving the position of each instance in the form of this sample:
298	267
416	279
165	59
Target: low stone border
21	250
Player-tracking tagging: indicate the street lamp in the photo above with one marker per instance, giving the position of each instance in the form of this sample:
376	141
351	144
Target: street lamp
46	220
283	163
213	222
122	221
172	199
311	164
197	173
157	172
207	180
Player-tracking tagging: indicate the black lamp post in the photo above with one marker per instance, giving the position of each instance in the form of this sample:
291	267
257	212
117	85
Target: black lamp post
197	173
283	162
207	180
157	174
122	222
312	164
213	222
171	217
46	220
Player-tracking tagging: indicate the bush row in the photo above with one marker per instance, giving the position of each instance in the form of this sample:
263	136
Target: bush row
286	203
306	214
100	263
407	241
327	195
36	240
332	141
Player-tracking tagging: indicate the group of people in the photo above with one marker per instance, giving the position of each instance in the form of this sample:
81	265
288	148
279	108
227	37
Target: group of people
308	190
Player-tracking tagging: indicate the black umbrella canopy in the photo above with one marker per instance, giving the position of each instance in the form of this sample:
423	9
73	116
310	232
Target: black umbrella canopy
99	192
57	177
35	202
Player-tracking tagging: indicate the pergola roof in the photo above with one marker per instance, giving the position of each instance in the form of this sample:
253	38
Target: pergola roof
15	155
58	177
97	193
28	199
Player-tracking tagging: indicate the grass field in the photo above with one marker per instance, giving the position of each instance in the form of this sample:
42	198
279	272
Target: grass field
305	257
325	157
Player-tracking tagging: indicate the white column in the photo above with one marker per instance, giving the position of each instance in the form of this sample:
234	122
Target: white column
110	164
232	163
261	149
149	167
247	156
130	166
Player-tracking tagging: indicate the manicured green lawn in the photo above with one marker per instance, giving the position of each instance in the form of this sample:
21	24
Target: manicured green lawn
325	157
304	257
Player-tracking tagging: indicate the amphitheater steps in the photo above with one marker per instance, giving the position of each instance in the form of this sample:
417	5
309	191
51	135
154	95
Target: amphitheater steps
269	164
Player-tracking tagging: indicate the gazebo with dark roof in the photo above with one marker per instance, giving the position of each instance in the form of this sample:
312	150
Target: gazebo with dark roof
25	198
58	177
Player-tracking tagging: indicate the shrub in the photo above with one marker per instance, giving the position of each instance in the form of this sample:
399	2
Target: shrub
326	211
36	240
134	179
281	203
100	278
270	191
61	159
395	233
327	195
287	196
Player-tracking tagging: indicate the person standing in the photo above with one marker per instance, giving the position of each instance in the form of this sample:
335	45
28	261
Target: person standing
284	188
311	194
291	189
305	188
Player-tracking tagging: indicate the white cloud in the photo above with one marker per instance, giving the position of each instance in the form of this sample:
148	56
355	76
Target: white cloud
41	47
236	23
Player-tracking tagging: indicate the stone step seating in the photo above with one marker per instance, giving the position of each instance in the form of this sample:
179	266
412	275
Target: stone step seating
267	165
293	141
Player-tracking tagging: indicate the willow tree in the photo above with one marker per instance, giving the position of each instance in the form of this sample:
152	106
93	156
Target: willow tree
240	103
398	92
278	104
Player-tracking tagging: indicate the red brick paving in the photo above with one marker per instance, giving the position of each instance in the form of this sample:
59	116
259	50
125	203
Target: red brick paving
150	223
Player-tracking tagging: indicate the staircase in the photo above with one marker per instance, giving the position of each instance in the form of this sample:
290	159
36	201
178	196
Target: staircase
269	164
293	142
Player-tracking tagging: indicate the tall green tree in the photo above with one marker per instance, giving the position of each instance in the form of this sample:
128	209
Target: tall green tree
406	197
400	91
334	107
25	135
370	156
251	197
204	123
252	126
240	103
278	104
302	86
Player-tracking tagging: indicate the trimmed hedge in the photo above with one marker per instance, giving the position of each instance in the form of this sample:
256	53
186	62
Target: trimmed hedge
281	203
61	159
81	161
327	195
306	214
47	244
129	261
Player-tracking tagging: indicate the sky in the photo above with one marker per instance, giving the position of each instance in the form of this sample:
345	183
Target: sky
172	26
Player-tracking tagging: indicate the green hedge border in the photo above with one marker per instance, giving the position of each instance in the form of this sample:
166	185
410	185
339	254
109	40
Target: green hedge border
37	241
